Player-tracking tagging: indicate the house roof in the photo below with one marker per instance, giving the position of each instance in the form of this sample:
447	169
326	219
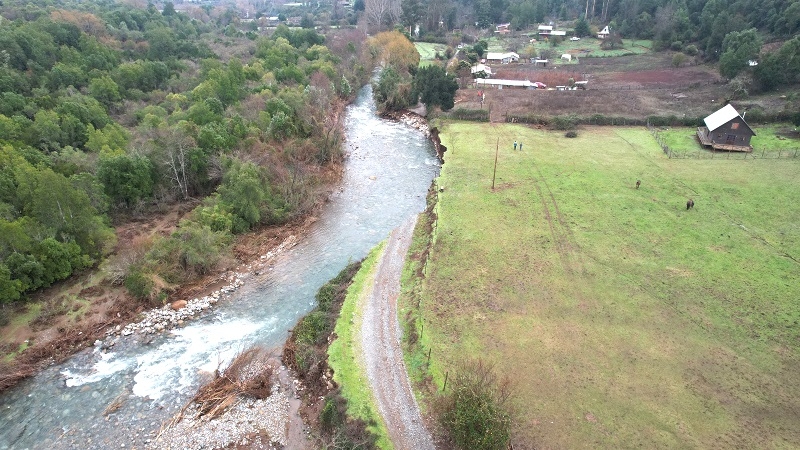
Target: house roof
481	67
488	82
496	55
545	28
604	30
723	116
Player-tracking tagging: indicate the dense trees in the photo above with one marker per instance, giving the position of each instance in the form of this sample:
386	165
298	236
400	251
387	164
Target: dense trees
435	87
113	109
393	90
738	48
49	227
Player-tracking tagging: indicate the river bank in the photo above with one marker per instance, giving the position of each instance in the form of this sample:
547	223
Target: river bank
151	377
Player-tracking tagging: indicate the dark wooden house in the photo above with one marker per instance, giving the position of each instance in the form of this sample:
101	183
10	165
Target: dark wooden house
726	130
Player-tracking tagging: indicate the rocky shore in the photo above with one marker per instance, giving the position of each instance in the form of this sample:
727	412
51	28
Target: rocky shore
273	422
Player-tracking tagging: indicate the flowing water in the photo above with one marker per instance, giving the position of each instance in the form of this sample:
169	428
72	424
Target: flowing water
387	173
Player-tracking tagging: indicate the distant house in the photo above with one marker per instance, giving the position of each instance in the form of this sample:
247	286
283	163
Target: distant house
603	33
481	71
502	58
537	61
726	130
558	33
545	30
503	28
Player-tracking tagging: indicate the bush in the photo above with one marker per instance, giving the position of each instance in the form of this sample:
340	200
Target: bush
476	412
139	284
676	46
678	59
571	134
476	115
564	122
690	50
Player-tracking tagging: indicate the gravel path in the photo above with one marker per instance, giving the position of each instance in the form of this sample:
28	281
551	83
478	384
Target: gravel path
380	339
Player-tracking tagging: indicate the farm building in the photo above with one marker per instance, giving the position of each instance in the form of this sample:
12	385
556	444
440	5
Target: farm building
502	58
503	28
481	71
603	33
726	130
501	84
547	30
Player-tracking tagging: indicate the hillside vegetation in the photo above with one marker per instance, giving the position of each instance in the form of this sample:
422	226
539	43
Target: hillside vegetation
623	319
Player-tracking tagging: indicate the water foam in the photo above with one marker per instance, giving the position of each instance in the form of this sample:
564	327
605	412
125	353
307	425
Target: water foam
174	365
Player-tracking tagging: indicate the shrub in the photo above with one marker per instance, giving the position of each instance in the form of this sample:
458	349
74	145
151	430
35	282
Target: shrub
678	59
690	50
476	412
571	134
476	115
139	284
564	122
676	46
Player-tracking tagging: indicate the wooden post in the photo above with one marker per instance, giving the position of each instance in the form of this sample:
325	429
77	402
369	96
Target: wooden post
496	151
429	355
445	381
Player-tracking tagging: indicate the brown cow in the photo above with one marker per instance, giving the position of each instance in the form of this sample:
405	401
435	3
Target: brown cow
638	182
690	204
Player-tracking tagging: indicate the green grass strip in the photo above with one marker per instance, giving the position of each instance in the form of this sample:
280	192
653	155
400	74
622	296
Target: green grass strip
344	353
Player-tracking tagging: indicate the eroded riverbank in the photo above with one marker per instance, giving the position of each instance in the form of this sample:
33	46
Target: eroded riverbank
388	170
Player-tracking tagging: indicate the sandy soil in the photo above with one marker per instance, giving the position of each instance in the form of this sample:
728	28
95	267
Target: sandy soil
383	356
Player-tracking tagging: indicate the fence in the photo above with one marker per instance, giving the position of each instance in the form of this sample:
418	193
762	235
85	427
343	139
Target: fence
762	153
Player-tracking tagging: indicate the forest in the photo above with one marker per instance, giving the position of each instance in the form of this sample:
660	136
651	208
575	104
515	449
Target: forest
112	111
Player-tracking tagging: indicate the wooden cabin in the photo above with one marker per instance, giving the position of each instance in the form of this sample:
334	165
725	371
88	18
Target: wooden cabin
726	130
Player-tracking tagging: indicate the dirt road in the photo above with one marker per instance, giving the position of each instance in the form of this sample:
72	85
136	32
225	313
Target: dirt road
380	339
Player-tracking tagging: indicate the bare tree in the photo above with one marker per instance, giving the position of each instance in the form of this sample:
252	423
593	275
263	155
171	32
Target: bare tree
381	12
172	147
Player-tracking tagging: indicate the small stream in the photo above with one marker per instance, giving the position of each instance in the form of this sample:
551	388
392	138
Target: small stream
388	171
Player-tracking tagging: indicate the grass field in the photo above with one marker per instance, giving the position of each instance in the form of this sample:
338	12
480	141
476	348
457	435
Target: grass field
769	139
591	47
427	52
348	368
623	319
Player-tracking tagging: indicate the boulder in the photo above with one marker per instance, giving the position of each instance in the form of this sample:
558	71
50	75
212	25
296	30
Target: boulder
180	304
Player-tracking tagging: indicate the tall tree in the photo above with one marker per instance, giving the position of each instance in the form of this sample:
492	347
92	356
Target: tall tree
411	12
737	49
435	87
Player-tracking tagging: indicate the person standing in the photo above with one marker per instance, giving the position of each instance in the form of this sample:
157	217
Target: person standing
520	146
515	145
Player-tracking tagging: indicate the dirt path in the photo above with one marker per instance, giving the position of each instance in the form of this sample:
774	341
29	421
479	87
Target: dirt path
380	339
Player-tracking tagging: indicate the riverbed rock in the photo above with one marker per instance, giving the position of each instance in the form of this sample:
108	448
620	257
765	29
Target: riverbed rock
180	304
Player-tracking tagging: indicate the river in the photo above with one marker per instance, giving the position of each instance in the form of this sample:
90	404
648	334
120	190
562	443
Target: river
388	170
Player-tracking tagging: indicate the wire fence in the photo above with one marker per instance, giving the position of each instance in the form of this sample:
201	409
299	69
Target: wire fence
762	153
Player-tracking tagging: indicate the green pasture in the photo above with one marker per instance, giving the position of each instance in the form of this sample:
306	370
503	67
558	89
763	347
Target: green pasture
769	139
589	47
427	52
622	319
344	352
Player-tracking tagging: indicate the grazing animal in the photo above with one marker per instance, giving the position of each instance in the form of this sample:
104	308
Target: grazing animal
638	182
690	204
